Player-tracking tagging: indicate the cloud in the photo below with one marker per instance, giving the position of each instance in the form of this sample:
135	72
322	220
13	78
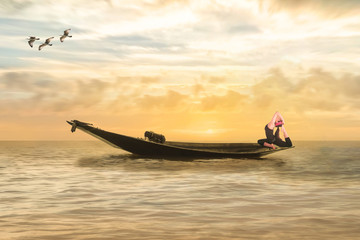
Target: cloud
327	8
169	34
28	92
27	81
87	94
229	102
11	6
217	79
197	89
170	101
149	80
316	90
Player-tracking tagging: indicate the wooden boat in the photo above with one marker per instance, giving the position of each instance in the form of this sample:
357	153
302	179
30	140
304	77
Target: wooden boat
169	149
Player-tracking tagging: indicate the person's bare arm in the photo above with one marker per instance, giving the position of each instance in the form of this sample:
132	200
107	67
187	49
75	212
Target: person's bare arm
271	124
281	117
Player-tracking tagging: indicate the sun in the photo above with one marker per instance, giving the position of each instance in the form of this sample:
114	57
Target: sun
209	131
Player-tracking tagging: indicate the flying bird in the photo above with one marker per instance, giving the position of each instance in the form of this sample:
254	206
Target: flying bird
47	42
66	34
32	40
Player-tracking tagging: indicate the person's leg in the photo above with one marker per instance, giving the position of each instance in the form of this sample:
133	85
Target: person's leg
264	143
279	142
261	141
288	142
269	138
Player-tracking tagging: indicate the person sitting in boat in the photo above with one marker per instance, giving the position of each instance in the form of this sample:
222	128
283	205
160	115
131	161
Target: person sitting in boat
274	139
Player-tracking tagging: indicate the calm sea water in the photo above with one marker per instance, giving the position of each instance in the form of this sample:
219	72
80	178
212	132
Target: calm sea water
89	190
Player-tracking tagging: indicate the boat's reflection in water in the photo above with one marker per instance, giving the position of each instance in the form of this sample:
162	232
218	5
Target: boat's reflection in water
131	162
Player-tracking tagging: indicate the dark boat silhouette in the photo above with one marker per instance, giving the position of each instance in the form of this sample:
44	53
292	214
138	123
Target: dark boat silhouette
169	149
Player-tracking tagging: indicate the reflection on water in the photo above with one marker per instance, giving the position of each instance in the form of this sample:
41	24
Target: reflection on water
135	163
87	190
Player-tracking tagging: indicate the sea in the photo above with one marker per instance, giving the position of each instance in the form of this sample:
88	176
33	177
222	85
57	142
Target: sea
89	190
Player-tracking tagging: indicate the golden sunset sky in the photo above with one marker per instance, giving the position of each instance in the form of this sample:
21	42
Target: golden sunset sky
200	70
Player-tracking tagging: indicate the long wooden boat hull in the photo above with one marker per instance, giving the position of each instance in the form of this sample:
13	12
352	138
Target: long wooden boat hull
171	149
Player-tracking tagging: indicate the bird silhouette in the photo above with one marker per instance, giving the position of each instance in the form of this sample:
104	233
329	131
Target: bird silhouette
66	34
47	42
32	40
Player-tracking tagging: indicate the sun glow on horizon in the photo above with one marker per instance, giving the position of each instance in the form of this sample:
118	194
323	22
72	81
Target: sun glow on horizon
210	131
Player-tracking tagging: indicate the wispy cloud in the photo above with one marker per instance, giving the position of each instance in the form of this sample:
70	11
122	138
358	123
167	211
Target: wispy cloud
327	8
316	90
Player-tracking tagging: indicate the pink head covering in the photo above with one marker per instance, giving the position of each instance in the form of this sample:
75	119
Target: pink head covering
279	124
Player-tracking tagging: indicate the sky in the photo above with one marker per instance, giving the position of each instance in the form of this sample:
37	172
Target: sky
200	70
